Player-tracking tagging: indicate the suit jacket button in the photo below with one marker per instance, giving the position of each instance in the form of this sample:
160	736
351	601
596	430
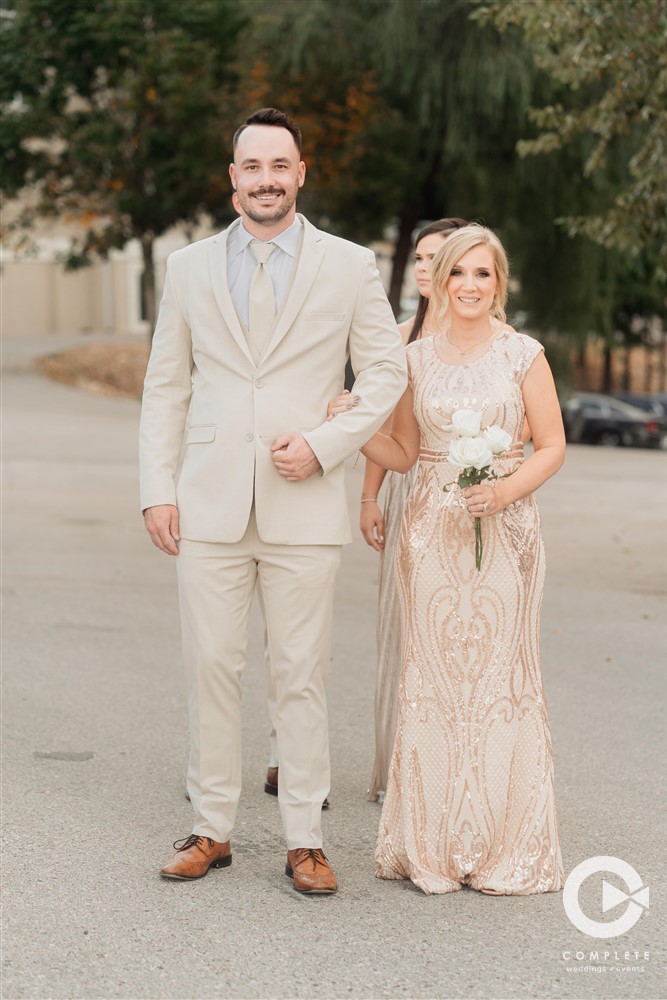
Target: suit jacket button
259	383
250	437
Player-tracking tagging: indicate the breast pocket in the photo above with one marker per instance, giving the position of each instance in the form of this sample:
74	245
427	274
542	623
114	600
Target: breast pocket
201	434
324	317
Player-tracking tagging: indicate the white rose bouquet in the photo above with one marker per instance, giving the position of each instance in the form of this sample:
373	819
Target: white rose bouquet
473	452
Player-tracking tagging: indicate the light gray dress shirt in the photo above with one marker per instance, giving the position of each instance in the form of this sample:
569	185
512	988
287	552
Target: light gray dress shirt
241	264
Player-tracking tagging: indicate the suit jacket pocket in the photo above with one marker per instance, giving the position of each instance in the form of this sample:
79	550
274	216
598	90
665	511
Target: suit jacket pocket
324	317
201	434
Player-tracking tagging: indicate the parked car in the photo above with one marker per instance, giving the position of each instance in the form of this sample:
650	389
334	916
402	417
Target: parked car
592	418
654	402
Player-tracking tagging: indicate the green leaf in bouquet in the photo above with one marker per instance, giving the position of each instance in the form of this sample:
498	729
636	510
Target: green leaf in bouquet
468	478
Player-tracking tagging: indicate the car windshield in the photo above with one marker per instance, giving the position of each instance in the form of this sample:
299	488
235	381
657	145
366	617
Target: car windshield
626	409
599	403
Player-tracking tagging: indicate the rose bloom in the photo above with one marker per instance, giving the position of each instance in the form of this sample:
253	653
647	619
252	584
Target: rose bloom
498	439
467	423
470	452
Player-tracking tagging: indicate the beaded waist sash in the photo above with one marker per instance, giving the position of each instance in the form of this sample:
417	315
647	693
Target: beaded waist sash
427	455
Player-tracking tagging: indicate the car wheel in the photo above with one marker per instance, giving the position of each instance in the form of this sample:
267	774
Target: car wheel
611	439
627	439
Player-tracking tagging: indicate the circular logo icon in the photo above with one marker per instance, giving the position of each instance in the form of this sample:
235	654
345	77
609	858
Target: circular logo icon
636	897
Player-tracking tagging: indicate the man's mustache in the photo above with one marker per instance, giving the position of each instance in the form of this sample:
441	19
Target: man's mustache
256	194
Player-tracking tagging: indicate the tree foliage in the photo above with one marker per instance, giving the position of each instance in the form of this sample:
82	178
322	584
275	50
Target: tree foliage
118	115
610	62
445	98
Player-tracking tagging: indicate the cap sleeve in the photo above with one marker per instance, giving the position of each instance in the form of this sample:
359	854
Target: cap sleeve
530	348
415	355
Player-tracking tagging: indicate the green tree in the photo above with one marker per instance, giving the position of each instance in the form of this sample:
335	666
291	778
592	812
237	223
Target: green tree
447	100
119	114
610	62
447	106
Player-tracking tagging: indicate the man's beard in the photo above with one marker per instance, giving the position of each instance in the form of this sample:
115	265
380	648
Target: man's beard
247	204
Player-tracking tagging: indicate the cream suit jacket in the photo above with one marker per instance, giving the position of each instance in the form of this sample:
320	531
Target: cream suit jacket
210	415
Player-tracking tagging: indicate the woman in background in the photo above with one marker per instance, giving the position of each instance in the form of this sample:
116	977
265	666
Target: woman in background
381	530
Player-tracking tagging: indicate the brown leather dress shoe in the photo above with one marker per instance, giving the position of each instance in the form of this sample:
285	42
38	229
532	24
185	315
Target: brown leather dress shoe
195	855
311	871
271	785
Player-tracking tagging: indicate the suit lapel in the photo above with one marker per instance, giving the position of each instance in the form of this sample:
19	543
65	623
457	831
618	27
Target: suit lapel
310	259
217	262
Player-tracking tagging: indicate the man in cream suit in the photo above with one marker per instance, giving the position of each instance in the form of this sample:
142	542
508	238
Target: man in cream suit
242	477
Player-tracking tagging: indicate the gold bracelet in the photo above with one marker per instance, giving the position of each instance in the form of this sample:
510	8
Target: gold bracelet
368	500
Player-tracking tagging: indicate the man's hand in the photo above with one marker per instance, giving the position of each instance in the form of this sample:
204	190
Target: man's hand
293	457
162	525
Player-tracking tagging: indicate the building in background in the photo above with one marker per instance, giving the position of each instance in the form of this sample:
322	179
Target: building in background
39	297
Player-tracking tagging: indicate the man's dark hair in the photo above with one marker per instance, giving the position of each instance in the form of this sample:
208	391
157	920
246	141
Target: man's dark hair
271	116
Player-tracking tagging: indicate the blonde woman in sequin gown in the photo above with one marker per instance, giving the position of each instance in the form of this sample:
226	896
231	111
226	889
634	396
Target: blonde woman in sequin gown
470	795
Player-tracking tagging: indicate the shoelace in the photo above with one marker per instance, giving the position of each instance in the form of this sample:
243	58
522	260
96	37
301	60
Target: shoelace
316	854
192	841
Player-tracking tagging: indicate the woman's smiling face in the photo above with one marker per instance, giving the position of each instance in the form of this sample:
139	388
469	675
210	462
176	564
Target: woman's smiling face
472	284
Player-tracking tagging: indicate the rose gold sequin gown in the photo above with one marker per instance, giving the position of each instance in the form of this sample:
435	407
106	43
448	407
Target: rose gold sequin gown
470	795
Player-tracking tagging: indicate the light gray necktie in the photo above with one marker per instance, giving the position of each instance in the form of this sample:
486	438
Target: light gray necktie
262	301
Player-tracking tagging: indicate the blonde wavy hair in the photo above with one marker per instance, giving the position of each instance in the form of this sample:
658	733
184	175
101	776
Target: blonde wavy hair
450	253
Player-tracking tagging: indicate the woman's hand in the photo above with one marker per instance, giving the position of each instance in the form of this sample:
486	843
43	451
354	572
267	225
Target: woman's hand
342	403
484	500
371	523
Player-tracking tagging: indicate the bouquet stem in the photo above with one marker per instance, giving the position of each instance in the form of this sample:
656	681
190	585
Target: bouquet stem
478	542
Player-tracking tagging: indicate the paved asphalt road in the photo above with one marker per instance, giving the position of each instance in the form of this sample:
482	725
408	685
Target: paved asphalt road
95	752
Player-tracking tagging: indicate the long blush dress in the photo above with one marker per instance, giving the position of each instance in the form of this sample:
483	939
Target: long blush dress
470	794
388	632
